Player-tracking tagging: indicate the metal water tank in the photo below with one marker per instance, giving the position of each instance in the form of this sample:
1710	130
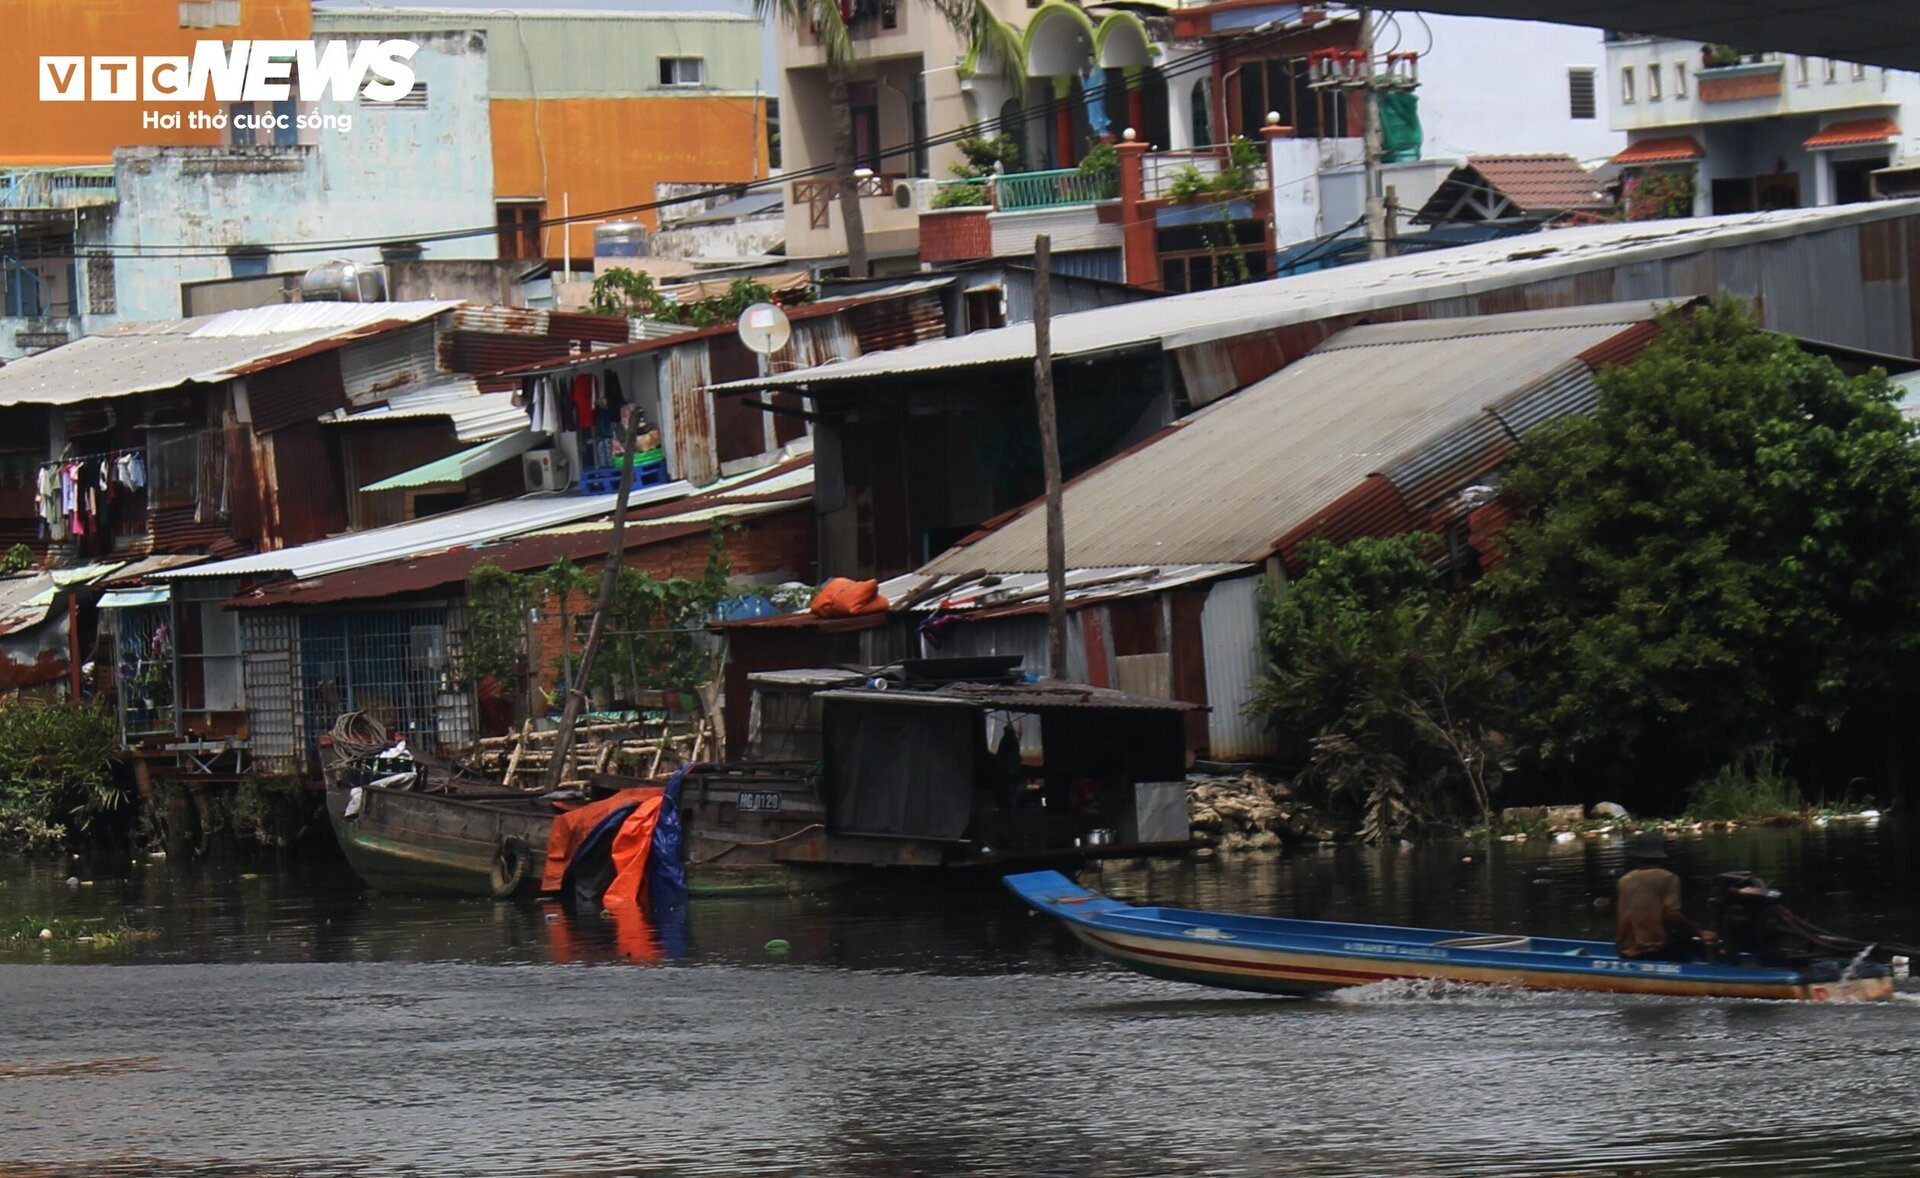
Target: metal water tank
343	282
620	239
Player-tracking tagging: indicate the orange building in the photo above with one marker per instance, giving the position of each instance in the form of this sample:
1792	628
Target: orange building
593	109
50	134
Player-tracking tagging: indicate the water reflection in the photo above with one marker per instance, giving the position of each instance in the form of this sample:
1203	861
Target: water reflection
284	1022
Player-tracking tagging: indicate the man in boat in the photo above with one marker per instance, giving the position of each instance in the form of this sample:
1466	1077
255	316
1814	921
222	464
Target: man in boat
1648	923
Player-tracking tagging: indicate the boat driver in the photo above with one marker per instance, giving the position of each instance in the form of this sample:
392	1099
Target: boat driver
1649	925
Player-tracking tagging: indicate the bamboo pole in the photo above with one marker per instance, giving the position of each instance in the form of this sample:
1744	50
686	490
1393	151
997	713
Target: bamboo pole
1050	457
609	578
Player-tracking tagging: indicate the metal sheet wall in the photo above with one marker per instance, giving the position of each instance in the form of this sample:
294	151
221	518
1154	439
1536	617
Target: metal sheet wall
688	414
388	364
304	390
268	643
1230	636
897	323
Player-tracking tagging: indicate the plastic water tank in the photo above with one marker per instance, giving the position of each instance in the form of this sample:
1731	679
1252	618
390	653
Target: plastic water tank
620	239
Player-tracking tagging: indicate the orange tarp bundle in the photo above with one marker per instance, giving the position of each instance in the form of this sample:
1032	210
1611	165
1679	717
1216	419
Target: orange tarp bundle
571	828
843	597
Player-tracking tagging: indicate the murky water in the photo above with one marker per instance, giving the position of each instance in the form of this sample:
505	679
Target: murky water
284	1023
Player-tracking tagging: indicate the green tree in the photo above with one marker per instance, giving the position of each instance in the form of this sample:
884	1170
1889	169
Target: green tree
1389	692
1722	556
986	34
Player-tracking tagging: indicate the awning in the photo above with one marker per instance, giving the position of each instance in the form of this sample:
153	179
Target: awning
133	598
1671	149
456	468
1854	133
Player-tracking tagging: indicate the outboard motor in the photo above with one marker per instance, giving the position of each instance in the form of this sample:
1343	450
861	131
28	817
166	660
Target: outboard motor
1748	919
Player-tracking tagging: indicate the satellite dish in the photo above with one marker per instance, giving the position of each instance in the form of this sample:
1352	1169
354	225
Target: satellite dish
764	328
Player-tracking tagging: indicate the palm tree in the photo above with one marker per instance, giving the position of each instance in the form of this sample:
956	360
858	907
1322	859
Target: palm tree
987	35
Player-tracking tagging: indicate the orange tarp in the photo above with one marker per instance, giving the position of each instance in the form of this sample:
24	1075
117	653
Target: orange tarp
572	827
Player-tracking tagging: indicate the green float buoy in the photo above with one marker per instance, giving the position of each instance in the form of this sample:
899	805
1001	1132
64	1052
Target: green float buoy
777	945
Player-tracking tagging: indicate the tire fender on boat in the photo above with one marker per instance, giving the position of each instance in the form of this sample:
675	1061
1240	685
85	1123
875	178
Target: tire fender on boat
512	868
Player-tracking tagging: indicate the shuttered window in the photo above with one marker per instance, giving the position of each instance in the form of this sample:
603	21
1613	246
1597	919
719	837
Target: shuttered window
1580	96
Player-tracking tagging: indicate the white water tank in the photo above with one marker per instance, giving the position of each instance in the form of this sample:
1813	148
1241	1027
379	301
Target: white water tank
620	239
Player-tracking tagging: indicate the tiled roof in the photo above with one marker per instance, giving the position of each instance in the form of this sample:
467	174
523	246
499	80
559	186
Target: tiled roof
1669	149
1854	133
1541	183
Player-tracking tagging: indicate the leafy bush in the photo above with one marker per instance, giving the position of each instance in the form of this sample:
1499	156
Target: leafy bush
960	196
1239	176
985	156
1101	163
1720	556
1658	196
1390	694
56	774
1752	788
632	293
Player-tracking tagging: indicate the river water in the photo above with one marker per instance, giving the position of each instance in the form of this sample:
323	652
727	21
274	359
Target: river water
282	1022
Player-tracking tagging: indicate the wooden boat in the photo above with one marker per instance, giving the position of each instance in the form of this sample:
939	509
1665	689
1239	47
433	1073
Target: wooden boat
474	842
1305	957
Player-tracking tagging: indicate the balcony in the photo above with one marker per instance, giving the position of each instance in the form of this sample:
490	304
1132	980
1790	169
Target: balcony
1060	188
44	189
1739	81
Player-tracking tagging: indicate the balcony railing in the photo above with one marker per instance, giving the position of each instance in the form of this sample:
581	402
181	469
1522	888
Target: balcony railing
56	188
1059	188
1162	168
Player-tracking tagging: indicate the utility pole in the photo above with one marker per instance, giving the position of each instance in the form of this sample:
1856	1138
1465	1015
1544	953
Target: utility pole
1370	139
1050	457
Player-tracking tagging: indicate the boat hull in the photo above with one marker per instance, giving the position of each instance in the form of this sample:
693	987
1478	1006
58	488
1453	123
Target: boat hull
1308	957
403	841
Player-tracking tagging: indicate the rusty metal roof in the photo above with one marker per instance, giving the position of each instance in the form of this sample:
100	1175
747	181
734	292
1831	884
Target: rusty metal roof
1045	695
1235	478
26	599
448	561
476	416
1180	321
148	357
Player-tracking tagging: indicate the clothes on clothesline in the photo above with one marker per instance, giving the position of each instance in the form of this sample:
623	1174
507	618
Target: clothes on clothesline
79	496
582	411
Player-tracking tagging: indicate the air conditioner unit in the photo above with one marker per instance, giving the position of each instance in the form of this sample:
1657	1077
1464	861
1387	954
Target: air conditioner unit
545	470
914	194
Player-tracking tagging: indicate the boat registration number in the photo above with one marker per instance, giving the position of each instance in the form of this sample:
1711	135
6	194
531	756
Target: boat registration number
759	801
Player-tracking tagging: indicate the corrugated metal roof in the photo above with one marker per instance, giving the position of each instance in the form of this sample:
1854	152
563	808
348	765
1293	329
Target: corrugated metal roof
475	525
25	600
1237	476
450	564
148	357
1010	591
476	416
455	468
1179	321
1046	695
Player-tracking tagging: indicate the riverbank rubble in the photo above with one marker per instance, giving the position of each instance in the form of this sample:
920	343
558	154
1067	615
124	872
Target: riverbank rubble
1248	812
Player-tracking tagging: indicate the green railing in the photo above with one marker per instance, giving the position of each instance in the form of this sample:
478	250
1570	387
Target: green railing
1050	190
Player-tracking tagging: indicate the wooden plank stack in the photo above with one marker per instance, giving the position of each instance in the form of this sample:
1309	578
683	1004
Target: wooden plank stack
630	749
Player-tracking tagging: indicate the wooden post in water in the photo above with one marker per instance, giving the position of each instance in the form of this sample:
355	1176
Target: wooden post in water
1050	457
609	578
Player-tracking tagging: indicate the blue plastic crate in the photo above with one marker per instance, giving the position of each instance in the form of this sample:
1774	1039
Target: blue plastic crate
605	480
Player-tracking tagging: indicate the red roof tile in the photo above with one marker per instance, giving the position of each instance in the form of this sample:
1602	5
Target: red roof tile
1854	132
1541	183
1672	149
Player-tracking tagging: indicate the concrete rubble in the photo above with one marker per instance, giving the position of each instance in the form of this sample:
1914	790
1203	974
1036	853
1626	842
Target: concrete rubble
1247	812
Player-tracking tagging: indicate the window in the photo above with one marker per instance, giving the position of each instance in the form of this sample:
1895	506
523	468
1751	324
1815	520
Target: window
1580	95
889	14
1800	67
247	261
917	93
683	71
519	224
1679	79
100	295
1859	72
863	103
1626	84
773	132
1832	71
1653	83
1198	110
